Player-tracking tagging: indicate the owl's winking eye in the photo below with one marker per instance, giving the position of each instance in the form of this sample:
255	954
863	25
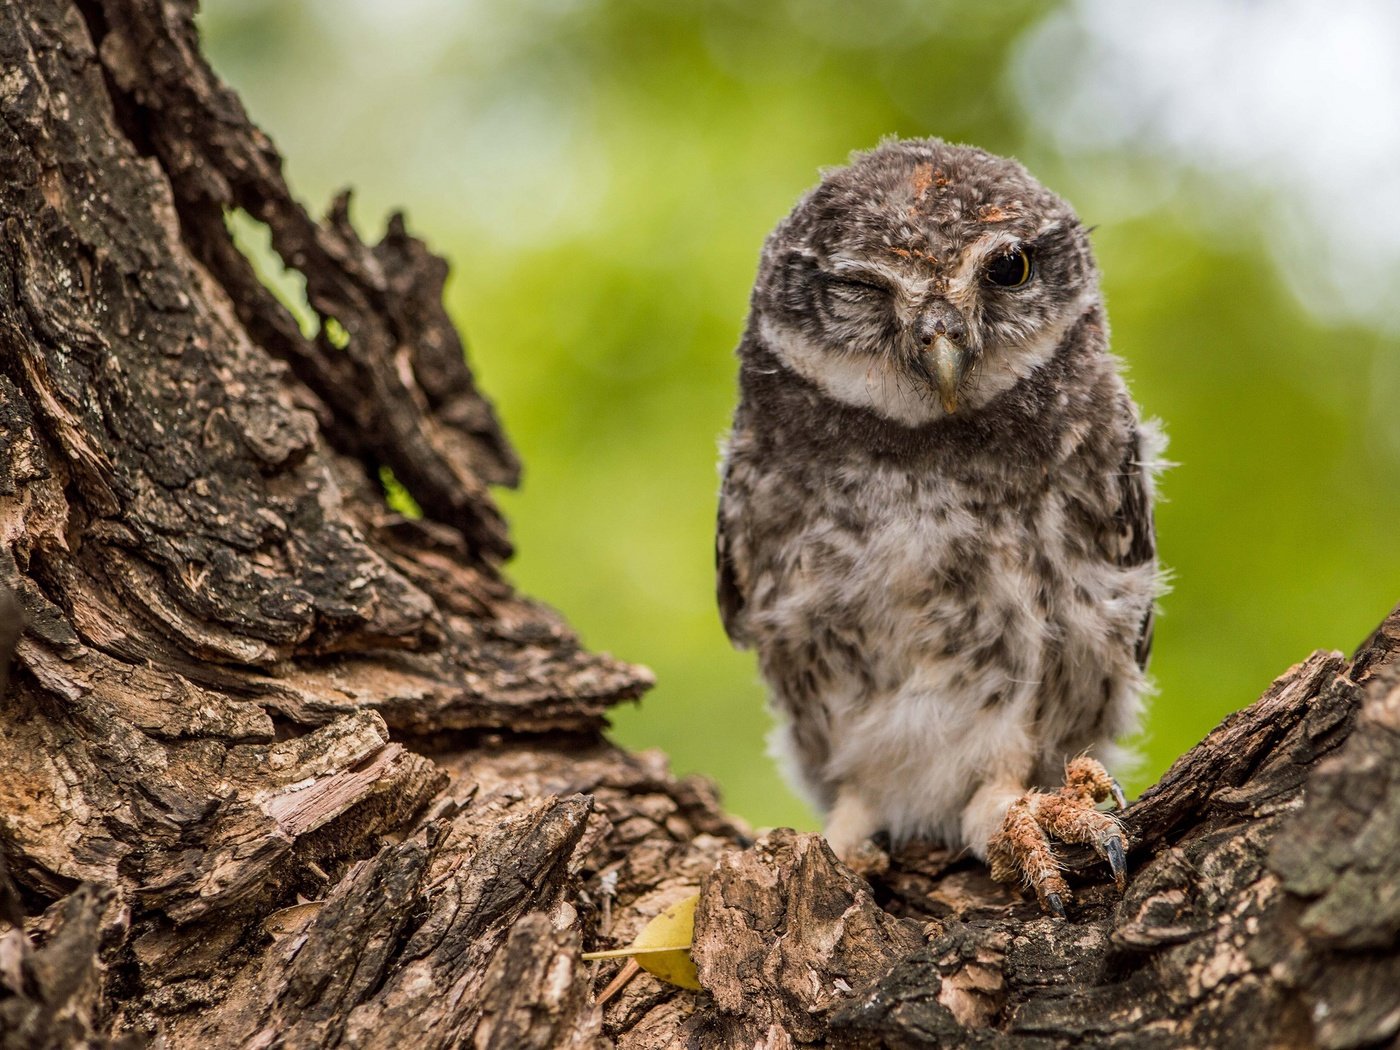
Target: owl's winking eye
854	287
1011	269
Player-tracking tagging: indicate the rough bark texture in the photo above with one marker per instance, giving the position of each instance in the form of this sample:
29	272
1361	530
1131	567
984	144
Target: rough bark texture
280	768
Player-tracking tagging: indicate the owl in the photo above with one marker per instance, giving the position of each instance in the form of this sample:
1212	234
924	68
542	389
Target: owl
935	522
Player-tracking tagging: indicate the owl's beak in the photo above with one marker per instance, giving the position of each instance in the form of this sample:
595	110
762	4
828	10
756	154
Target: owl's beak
950	363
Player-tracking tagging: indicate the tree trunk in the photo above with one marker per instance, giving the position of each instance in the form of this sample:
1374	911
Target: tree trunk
282	768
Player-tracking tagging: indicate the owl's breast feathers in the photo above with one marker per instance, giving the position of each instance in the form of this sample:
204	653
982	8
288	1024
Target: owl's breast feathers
1002	559
794	451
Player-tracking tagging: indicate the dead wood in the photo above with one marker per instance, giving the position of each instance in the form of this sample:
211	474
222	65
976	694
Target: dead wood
281	768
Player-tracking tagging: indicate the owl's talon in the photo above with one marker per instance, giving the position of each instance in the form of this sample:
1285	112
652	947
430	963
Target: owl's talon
1020	852
1021	849
1120	801
1114	853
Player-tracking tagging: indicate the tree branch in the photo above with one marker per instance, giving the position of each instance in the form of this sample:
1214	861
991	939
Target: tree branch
282	768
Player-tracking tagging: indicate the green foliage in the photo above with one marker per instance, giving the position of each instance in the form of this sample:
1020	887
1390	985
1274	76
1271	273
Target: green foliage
602	176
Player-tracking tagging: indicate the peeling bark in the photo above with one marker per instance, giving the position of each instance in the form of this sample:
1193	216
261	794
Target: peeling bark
284	769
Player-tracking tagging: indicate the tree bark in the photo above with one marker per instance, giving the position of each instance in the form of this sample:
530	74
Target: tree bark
282	768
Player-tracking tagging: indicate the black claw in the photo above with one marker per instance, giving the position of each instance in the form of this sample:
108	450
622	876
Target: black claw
1119	799
1056	906
1113	853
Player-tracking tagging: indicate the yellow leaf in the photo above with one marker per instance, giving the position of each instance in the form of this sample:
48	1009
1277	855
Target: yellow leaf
663	946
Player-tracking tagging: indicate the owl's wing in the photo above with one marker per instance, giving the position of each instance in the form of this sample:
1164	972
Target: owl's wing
727	588
1137	541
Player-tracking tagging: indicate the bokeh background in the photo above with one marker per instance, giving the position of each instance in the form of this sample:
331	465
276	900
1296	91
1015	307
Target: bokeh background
601	174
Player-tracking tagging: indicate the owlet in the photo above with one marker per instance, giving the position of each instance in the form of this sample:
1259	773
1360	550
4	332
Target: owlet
935	527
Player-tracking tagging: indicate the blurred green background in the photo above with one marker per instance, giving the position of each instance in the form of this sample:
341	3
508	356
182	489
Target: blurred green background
602	174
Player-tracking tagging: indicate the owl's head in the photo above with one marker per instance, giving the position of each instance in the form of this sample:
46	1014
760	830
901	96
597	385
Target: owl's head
923	279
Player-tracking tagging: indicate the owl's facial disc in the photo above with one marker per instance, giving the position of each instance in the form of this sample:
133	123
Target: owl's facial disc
923	280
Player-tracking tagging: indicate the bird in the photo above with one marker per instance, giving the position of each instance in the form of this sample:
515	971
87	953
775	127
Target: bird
935	519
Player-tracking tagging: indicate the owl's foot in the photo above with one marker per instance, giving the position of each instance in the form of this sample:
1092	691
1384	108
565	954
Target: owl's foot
849	828
1020	850
867	860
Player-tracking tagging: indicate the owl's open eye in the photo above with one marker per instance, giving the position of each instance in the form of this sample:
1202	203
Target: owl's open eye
1011	269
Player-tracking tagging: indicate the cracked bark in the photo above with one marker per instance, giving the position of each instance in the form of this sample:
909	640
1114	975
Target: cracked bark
283	769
